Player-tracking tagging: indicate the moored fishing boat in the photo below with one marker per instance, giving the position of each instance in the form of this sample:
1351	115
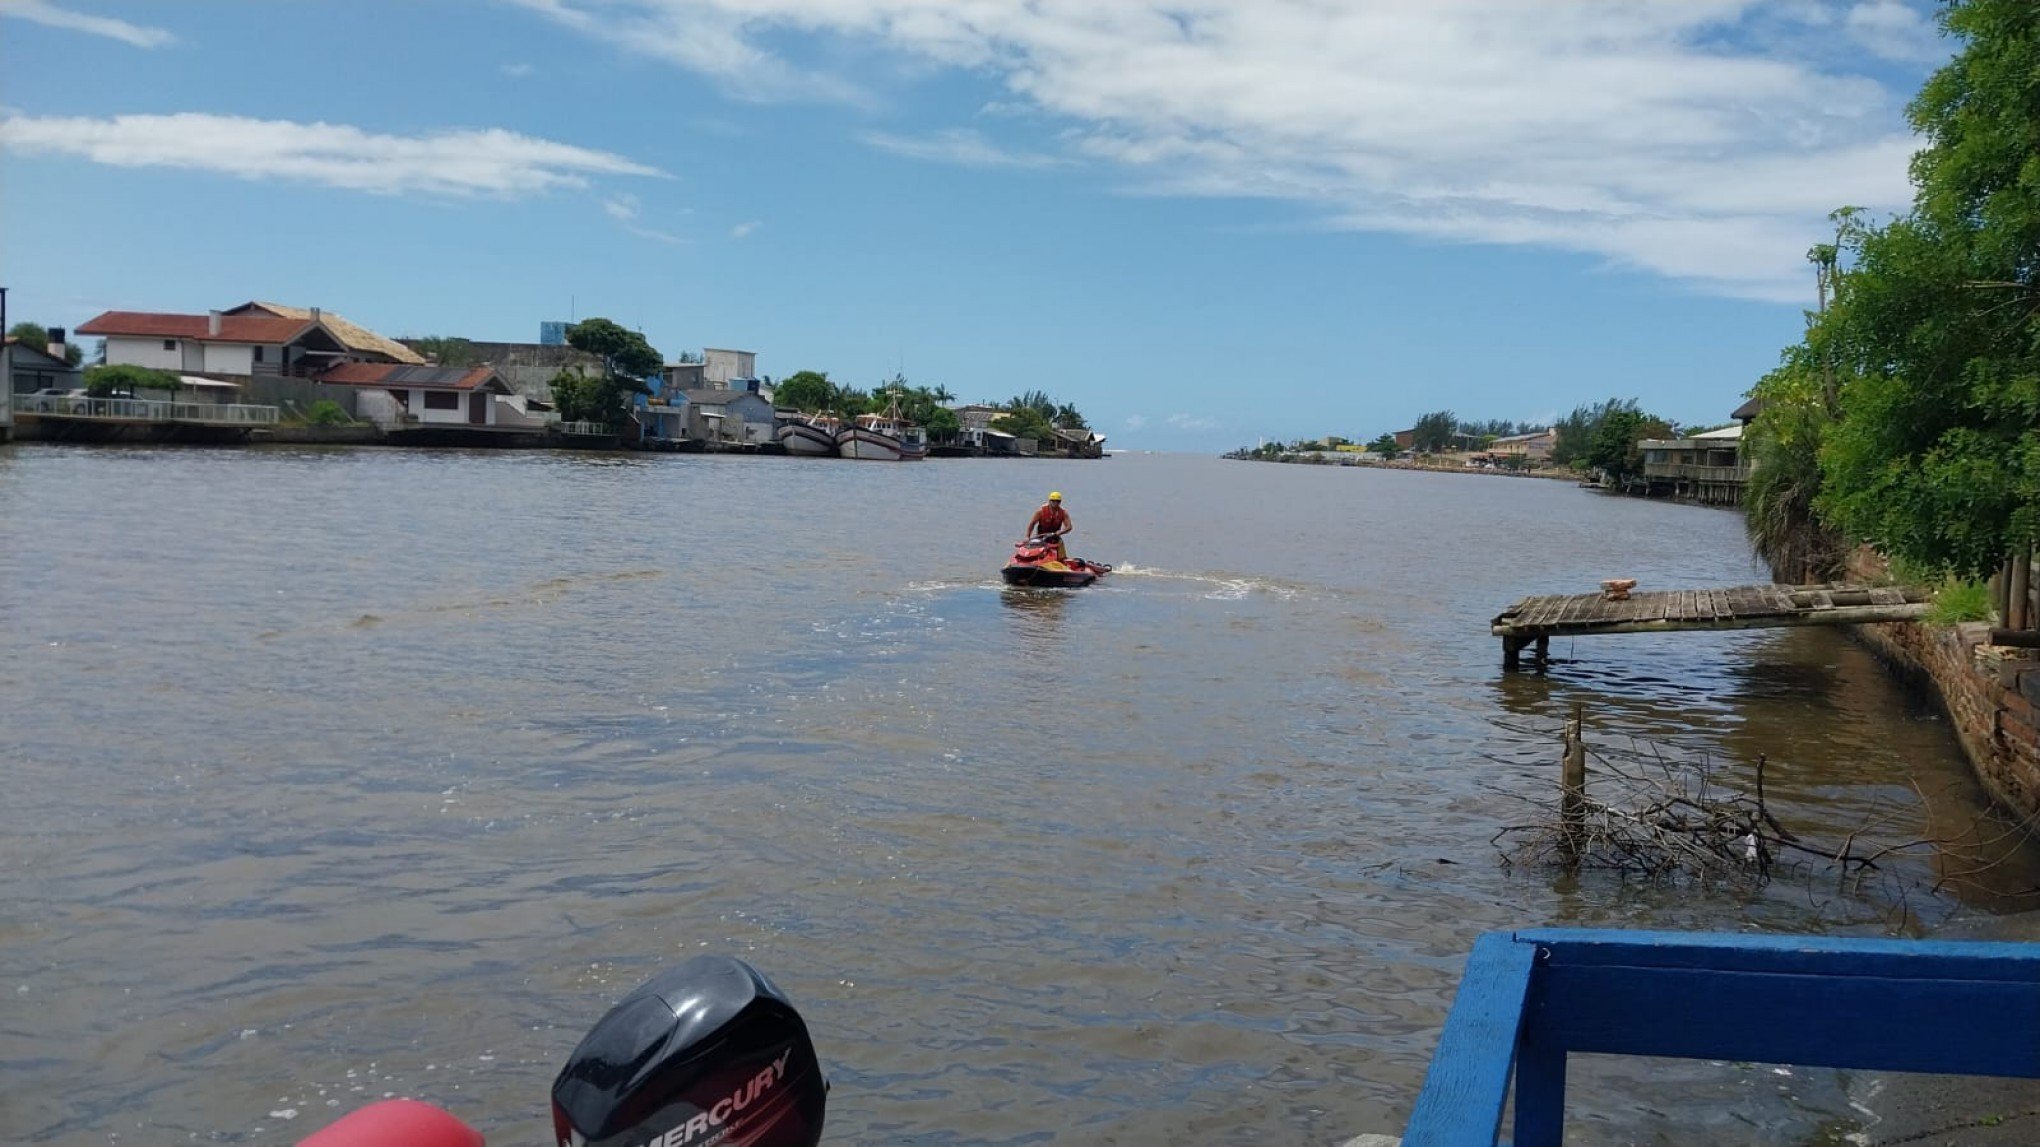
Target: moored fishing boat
814	437
887	437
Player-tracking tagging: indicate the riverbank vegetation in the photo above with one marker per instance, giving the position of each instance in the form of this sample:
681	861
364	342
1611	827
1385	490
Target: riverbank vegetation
1603	438
1906	417
1034	414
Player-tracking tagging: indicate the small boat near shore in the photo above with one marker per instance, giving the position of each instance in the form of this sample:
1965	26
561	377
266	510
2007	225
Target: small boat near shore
815	437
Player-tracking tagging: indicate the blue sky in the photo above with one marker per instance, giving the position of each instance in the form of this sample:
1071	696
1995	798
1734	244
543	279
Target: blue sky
1204	222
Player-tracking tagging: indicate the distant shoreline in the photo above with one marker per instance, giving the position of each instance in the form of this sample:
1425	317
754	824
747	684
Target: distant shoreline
1489	471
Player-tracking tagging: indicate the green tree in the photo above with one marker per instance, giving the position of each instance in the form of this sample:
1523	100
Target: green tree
447	350
1782	448
1024	422
943	425
579	398
1434	432
624	352
627	362
1575	432
34	334
808	390
1386	447
1935	326
1614	448
127	379
38	336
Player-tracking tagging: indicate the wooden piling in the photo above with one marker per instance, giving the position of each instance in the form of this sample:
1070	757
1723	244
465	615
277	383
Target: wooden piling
1572	801
2017	613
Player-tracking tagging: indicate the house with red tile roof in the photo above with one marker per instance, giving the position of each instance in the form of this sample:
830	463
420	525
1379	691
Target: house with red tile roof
398	396
252	339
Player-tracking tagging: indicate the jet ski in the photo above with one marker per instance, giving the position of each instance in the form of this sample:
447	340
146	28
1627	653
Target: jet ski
1035	564
710	1052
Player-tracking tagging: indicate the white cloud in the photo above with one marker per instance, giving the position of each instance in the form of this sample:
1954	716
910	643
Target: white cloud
49	15
743	230
1894	30
1194	424
1702	140
1136	421
625	209
517	71
461	163
708	38
960	146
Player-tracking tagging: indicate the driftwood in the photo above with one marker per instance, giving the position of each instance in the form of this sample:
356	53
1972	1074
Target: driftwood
1639	812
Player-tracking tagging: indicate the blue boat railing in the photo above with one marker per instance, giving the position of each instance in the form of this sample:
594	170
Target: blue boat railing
1530	999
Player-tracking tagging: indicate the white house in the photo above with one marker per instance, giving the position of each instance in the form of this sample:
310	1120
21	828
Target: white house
251	339
396	396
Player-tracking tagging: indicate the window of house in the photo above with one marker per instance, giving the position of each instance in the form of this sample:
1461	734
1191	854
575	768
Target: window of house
169	344
441	400
258	354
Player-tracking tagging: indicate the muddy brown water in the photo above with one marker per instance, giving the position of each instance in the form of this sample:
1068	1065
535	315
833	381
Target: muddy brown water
334	774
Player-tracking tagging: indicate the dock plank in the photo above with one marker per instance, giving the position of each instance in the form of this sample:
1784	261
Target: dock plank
1726	607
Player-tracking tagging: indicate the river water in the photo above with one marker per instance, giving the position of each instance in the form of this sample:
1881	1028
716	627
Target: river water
335	774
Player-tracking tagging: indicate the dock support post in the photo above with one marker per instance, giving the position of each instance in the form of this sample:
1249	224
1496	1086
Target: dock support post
1572	801
1543	652
1512	652
2016	595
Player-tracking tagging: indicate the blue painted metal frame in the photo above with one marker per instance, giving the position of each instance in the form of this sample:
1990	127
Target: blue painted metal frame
1529	999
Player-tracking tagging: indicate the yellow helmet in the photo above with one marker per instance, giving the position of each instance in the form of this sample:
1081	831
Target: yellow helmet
1055	495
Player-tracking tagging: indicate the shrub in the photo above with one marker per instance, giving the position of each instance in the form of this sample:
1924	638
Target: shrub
326	412
1961	601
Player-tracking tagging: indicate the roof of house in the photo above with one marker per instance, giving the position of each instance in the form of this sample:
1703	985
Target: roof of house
404	375
1522	437
38	352
710	396
1728	433
233	328
355	337
1748	410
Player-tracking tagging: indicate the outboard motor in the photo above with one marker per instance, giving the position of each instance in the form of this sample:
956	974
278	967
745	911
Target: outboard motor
710	1052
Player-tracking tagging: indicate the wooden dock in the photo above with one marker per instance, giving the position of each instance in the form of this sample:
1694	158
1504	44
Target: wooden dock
1536	620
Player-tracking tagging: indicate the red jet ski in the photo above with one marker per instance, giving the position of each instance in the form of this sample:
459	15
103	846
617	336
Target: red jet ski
1035	564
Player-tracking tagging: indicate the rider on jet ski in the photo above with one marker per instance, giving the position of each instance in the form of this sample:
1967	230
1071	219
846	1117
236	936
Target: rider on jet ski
1051	520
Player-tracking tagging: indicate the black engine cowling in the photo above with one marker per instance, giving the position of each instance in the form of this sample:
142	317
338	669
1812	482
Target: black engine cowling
708	1053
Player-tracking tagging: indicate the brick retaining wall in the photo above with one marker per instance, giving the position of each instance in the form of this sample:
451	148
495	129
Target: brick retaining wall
1991	694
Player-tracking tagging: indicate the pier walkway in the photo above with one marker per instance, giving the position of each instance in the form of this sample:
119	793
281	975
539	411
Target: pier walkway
1536	620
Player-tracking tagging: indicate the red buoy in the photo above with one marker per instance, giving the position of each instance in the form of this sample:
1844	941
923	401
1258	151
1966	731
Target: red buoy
396	1123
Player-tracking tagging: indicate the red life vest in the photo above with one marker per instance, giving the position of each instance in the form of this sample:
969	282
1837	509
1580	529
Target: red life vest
1051	519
